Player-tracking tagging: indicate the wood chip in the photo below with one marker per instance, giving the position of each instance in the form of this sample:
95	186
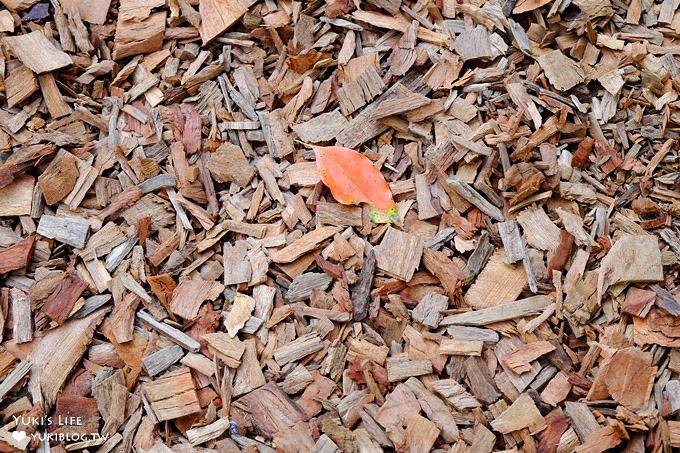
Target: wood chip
172	395
37	52
398	254
562	71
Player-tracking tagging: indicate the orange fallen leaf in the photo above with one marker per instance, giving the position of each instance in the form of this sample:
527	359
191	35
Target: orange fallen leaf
353	179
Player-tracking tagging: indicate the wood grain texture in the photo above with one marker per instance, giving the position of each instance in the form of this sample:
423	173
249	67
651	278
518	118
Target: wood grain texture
37	52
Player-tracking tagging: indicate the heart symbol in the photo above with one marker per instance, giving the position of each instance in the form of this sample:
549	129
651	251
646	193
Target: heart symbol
19	435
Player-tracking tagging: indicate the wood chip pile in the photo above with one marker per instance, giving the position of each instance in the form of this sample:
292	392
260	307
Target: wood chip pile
175	277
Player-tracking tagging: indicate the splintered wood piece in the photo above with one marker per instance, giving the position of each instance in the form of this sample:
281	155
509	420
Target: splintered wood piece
361	291
498	283
519	359
59	178
37	52
55	102
296	437
191	133
475	44
99	274
161	360
601	440
455	394
338	214
14	377
658	327
64	229
435	409
582	419
428	311
229	164
400	401
483	440
21	317
227	348
218	15
442	267
526	307
189	295
326	445
138	207
562	72
512	241
402	367
138	30
16	199
303	174
302	286
237	268
420	433
547	130
481	383
522	6
427	206
6	21
122	320
399	253
521	414
550	438
274	127
249	374
472	333
674	429
173	395
18	255
103	241
539	231
297	380
86	178
239	313
557	389
20	85
475	147
404	55
475	198
520	381
322	128
638	302
643	262
267	410
672	240
632	388
672	392
299	348
58	353
91	11
461	347
60	303
305	244
562	253
357	93
78	30
574	225
175	335
199	362
203	434
404	102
